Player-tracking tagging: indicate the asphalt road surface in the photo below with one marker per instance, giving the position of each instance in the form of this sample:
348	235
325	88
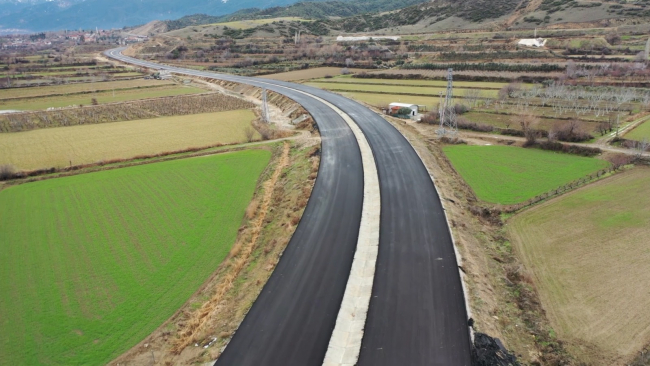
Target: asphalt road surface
417	312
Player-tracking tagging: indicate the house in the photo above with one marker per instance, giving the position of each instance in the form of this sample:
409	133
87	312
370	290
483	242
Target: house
394	107
532	42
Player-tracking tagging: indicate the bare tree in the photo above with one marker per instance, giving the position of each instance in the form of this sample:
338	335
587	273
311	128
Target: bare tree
528	123
249	132
641	147
570	69
472	96
619	160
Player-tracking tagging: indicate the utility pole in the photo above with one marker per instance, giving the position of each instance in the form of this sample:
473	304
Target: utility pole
448	123
265	108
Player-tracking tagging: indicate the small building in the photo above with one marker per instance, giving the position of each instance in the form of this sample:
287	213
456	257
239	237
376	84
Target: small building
366	38
165	75
532	42
394	107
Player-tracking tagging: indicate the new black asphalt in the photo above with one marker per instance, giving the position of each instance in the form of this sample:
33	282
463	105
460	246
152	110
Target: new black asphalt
417	312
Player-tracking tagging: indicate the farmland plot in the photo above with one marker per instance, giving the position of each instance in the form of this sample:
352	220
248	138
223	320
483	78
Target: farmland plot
79	88
424	83
507	175
93	263
102	97
639	133
318	72
75	145
588	252
393	89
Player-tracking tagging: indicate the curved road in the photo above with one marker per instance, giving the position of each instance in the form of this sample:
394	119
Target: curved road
417	312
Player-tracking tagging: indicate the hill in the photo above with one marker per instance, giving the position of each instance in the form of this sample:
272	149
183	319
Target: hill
309	10
414	16
55	15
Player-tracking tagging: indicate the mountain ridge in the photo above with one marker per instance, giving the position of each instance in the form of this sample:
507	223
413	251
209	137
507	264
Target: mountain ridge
57	15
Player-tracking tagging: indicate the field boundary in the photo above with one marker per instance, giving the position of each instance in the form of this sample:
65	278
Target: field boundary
345	343
51	173
84	92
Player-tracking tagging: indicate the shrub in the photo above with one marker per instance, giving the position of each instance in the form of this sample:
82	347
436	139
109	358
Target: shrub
619	160
430	118
569	132
404	111
7	171
473	126
569	149
461	109
512	132
508	91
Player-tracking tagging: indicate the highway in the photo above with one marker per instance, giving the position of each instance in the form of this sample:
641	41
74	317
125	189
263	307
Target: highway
417	312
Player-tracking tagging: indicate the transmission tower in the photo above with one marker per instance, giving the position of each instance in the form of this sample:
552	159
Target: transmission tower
448	123
265	108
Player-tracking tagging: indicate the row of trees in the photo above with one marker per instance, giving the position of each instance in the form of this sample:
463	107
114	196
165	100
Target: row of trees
487	66
634	70
580	100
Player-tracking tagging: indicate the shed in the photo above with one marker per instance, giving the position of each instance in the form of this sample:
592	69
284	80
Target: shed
532	42
394	107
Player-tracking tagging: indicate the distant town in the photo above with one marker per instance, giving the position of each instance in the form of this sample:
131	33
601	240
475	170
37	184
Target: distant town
44	40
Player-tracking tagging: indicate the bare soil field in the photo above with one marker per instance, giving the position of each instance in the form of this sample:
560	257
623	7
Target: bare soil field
591	265
62	146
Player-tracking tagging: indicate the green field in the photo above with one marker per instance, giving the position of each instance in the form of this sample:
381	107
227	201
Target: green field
508	175
425	83
91	264
102	97
57	147
506	121
588	254
640	132
395	89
